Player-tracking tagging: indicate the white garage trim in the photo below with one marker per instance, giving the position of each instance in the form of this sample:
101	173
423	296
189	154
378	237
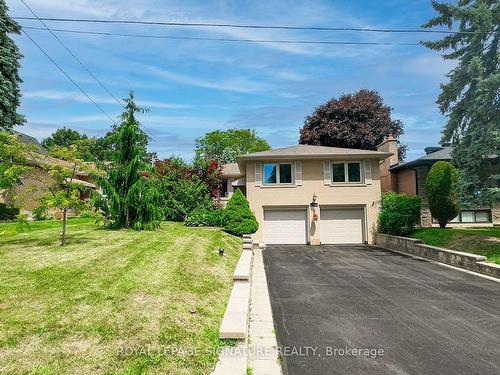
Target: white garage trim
285	225
342	225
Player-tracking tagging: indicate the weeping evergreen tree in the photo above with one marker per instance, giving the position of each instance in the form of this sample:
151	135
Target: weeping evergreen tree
471	98
130	190
9	71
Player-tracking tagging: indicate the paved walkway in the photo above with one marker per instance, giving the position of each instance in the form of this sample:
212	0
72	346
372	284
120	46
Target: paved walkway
263	355
364	310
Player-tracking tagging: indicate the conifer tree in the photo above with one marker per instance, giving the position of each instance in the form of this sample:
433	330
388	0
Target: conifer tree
9	71
130	198
471	97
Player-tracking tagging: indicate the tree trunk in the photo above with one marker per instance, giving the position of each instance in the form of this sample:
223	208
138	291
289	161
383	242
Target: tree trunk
442	224
65	223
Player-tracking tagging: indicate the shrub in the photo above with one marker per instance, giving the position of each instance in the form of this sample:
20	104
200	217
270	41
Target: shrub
399	214
40	213
238	219
8	213
204	217
440	184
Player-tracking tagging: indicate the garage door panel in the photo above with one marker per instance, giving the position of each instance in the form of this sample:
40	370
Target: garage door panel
285	226
341	226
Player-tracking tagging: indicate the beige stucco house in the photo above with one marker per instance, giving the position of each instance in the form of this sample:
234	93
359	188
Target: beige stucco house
310	194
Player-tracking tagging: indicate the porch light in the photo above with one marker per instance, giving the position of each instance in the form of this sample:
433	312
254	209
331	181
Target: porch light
314	203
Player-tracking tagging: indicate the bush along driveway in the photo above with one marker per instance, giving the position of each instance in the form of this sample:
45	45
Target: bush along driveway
112	302
480	241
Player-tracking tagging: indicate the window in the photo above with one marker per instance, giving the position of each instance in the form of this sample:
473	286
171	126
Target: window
285	173
224	188
275	173
349	172
471	216
270	173
482	217
467	216
354	170
338	172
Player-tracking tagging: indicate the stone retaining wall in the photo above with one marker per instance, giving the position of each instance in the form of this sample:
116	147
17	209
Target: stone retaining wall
471	262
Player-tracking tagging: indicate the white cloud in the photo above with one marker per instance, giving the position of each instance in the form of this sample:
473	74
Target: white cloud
430	65
238	84
81	98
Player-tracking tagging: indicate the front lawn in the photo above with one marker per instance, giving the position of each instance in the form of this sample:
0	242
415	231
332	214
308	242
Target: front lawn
481	241
112	302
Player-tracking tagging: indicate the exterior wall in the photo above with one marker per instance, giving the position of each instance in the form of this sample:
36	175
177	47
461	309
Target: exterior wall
406	182
425	214
495	215
27	195
366	196
387	180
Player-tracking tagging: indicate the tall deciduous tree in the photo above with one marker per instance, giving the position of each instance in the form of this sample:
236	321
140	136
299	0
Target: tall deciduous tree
471	98
224	145
13	160
9	71
360	120
61	191
63	137
131	196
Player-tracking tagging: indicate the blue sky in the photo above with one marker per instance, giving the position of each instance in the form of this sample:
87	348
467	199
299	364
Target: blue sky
193	87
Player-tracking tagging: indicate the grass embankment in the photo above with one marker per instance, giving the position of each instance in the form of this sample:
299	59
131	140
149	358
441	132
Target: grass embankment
482	241
112	302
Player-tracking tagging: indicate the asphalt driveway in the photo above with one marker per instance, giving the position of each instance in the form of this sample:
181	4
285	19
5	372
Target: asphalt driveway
364	310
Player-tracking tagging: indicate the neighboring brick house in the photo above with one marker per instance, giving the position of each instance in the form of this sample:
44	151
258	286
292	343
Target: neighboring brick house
409	178
26	196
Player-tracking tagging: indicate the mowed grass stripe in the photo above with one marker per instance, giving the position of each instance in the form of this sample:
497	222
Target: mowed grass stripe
71	309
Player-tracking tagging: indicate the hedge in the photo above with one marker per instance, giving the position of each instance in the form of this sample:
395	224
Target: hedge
399	215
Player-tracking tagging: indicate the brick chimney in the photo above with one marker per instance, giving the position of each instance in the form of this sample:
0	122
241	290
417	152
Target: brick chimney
388	181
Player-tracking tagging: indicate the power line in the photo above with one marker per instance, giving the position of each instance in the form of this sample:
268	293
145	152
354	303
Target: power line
253	26
81	64
282	41
72	54
68	76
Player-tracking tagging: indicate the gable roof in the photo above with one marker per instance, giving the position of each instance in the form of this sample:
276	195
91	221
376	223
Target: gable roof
442	153
28	139
308	151
230	170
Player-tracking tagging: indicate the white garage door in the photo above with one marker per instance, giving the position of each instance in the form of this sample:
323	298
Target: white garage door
285	226
341	226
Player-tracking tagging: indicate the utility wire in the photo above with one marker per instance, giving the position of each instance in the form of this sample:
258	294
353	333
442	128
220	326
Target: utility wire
79	61
68	76
72	54
252	26
279	41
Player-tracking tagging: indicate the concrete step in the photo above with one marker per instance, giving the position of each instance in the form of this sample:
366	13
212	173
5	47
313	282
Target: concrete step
244	267
247	246
234	324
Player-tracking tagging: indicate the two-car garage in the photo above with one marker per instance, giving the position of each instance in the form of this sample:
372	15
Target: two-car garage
337	225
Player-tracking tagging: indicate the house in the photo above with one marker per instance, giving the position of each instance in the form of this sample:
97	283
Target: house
409	178
27	194
310	194
232	179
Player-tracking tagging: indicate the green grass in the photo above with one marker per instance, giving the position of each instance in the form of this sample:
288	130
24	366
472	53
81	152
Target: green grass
481	241
112	302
